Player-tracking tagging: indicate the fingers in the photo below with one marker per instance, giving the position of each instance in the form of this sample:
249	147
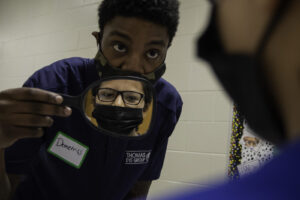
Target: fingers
31	94
10	134
32	100
17	133
35	108
25	111
28	120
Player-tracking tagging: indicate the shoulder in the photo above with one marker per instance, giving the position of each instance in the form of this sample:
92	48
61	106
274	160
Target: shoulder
63	73
167	95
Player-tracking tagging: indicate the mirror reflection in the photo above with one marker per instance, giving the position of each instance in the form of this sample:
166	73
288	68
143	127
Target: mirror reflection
119	106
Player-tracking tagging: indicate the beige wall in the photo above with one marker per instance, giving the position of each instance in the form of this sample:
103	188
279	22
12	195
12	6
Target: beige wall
35	33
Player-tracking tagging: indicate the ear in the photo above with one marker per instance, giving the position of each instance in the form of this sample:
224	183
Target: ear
96	35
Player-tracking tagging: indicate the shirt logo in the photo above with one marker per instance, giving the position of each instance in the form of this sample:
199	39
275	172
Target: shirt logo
68	149
137	157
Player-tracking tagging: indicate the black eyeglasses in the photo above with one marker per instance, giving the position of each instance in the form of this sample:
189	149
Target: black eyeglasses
129	97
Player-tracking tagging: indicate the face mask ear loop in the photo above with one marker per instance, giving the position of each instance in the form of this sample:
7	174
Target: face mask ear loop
278	14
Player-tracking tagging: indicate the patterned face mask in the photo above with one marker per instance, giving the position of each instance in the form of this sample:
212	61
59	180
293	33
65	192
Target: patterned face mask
105	70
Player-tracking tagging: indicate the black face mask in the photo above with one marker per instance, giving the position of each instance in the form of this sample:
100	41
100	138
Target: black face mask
106	70
118	119
243	78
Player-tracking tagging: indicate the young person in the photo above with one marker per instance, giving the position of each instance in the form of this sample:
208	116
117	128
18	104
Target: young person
134	36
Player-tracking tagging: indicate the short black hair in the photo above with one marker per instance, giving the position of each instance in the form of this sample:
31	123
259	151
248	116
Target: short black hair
161	12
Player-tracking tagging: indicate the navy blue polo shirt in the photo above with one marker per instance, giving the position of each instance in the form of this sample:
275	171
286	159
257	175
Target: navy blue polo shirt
107	170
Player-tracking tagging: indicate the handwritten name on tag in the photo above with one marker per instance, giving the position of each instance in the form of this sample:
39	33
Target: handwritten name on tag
68	149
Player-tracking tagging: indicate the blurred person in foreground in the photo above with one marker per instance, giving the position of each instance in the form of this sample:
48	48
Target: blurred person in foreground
253	46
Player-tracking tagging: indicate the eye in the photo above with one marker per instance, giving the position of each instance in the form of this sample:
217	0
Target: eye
152	54
119	47
106	94
132	98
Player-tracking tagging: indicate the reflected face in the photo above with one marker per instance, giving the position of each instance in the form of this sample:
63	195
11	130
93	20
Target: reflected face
134	44
122	93
251	141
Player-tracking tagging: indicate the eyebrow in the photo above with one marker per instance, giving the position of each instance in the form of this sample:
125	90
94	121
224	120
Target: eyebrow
157	42
126	37
122	35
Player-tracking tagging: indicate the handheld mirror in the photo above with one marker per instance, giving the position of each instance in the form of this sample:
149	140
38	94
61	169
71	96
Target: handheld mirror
121	106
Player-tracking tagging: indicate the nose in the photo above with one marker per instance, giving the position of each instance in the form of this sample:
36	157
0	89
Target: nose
119	101
134	62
